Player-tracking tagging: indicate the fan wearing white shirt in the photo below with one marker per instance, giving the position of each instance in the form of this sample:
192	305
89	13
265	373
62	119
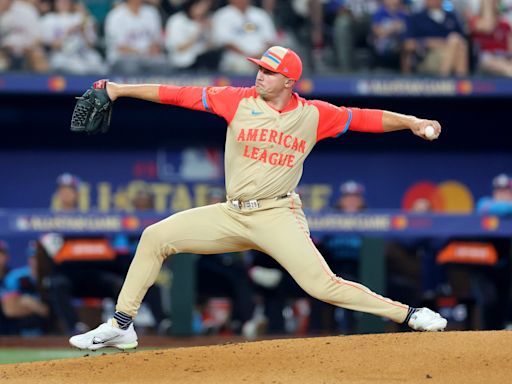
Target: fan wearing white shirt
70	34
133	34
188	37
20	47
242	30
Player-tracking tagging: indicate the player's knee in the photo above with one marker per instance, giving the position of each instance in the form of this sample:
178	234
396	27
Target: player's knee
320	294
156	240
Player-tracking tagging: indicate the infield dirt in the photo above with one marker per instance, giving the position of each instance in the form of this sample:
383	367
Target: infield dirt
449	357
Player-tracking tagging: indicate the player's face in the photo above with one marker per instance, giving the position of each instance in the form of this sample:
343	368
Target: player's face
269	84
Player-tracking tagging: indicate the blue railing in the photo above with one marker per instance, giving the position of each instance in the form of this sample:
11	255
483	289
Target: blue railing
333	85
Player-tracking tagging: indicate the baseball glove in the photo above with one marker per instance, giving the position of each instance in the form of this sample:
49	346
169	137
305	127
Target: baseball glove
93	110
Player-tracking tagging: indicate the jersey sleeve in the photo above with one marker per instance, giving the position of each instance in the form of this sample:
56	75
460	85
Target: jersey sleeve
222	101
333	121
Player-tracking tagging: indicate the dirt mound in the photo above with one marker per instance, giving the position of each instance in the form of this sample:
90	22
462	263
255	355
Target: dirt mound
450	357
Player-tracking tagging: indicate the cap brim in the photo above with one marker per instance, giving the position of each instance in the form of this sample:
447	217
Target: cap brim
262	64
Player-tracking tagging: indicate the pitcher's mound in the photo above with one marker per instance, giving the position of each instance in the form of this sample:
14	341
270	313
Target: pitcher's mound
450	357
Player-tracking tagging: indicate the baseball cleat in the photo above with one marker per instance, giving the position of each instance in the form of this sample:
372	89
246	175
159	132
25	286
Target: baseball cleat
425	319
106	335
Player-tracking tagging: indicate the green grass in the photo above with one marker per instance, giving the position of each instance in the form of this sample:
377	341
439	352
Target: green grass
22	355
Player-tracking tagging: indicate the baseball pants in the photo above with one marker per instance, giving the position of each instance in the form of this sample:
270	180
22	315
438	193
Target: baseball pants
277	228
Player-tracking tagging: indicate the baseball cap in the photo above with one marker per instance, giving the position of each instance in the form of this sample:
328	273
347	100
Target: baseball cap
502	181
352	187
68	180
281	60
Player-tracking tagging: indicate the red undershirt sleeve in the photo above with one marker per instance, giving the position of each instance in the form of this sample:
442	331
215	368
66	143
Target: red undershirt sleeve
222	101
335	121
366	120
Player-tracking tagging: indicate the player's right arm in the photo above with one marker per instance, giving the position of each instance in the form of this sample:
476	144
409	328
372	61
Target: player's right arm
149	92
222	101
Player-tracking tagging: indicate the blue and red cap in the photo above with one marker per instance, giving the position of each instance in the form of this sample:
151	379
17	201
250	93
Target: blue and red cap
281	60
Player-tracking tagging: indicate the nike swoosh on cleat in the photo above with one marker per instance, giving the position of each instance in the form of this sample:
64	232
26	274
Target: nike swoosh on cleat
99	341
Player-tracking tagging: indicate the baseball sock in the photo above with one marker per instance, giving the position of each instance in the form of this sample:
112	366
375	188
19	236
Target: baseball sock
410	311
123	320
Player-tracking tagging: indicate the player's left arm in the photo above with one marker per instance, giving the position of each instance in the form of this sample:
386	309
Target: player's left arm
334	121
392	121
375	120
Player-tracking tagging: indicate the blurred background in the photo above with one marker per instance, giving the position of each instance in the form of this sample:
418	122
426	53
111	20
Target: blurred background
426	223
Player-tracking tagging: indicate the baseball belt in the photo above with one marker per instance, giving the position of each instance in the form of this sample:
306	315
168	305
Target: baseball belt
253	203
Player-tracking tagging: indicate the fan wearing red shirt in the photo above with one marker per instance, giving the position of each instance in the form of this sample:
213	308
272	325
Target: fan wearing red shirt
492	36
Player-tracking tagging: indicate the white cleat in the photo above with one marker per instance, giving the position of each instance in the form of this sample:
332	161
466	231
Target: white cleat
425	319
106	335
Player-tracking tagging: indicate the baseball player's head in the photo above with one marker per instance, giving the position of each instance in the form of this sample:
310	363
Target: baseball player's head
280	68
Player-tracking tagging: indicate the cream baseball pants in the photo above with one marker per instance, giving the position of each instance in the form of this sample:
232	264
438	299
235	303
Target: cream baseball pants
278	228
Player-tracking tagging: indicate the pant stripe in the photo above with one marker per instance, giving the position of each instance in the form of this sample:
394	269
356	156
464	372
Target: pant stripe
328	272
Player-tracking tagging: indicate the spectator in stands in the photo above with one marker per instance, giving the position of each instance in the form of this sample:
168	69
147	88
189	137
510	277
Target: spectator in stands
351	30
133	35
21	298
492	37
435	42
388	29
242	30
65	198
20	47
69	33
188	37
500	203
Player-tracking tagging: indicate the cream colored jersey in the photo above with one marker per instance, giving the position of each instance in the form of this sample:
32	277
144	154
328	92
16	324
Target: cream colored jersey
265	148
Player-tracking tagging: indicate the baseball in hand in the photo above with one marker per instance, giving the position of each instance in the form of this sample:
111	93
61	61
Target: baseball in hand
430	132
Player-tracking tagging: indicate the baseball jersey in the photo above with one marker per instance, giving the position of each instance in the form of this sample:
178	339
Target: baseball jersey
265	149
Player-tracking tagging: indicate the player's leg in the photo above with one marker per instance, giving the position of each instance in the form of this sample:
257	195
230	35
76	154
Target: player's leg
205	230
283	234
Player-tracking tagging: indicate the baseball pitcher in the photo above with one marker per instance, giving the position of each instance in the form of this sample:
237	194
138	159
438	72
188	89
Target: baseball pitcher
271	130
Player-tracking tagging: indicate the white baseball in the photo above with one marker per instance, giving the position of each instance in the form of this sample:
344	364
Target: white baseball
430	132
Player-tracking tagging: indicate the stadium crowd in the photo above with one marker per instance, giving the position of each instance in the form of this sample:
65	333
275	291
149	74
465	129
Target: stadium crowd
438	37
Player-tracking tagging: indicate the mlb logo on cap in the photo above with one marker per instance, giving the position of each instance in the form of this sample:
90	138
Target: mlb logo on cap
281	60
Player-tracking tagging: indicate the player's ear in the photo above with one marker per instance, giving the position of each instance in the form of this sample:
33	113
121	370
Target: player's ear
289	83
